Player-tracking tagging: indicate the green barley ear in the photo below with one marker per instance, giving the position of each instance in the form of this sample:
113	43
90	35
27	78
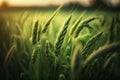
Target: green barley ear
34	37
90	42
33	57
76	23
35	52
61	37
84	24
103	50
50	20
76	63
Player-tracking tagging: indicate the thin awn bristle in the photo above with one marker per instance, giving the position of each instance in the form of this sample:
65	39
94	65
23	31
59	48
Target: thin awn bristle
39	33
50	19
109	61
10	53
76	23
83	24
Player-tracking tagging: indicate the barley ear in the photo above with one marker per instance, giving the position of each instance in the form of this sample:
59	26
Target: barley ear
35	52
83	24
90	42
34	37
61	37
103	50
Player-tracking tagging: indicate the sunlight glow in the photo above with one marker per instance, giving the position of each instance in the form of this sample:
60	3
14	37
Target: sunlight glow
36	2
54	2
0	2
28	2
43	2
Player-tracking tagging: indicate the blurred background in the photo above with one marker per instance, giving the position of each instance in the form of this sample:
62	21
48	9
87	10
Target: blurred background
38	3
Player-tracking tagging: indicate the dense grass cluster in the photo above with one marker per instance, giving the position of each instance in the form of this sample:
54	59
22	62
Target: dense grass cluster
83	48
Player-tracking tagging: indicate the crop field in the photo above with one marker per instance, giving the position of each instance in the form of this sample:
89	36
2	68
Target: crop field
60	44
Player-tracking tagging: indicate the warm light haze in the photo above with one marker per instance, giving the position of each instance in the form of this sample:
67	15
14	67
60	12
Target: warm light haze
53	2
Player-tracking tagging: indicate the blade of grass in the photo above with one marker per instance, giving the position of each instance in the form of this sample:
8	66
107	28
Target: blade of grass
76	63
9	54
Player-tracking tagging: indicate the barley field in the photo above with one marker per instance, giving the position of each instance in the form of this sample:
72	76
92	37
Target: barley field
60	44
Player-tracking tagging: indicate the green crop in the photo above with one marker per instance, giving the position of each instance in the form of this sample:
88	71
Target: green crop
60	45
